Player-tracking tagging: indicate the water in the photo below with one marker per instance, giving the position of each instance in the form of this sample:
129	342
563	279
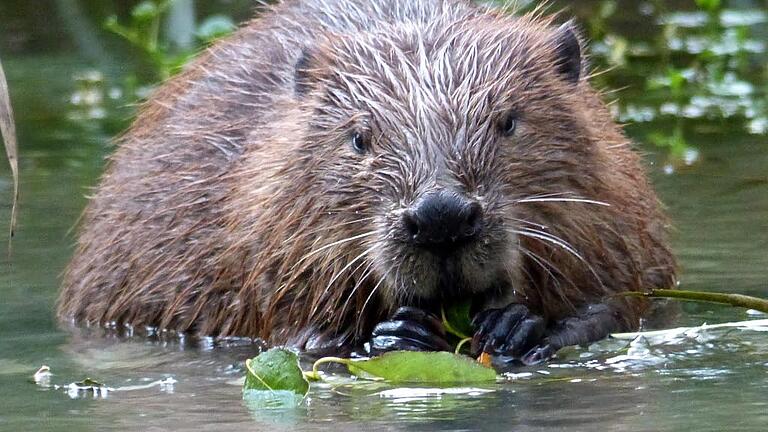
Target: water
69	99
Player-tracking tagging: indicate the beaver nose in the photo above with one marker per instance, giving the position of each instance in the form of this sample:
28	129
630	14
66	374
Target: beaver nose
442	221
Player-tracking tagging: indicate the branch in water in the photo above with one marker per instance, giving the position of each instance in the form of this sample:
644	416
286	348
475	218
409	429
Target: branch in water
739	300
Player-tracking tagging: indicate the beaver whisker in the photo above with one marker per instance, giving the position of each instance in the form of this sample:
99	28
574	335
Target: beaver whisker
544	264
340	272
567	196
361	314
548	266
551	238
300	235
366	272
579	200
399	287
570	194
525	221
336	243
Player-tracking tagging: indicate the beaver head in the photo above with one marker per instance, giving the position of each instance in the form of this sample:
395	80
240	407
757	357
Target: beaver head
426	140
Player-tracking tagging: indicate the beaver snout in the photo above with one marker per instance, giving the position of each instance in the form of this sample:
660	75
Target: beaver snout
443	221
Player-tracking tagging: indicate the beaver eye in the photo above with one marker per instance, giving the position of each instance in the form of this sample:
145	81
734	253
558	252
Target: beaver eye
360	142
508	124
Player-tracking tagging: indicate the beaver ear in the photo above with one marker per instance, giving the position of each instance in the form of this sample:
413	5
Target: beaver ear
303	77
568	52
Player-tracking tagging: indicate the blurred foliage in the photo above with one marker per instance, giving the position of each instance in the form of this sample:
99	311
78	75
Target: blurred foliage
143	32
680	67
691	69
699	61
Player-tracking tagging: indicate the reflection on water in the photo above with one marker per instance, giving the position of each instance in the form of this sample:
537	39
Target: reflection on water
69	101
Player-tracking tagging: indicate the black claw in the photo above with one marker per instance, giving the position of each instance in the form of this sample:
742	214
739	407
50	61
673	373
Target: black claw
480	319
381	344
508	333
409	329
506	327
528	333
484	324
409	313
405	329
538	355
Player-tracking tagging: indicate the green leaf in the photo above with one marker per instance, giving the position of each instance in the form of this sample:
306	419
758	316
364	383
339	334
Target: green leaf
274	371
457	320
420	368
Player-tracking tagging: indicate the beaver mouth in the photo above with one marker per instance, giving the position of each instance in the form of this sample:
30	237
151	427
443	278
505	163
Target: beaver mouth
455	276
447	273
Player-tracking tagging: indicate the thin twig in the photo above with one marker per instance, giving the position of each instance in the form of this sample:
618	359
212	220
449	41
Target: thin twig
8	130
739	300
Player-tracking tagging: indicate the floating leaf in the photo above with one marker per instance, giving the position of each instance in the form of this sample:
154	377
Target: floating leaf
275	370
418	368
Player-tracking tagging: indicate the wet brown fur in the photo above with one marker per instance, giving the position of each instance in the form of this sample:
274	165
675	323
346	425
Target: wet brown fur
218	215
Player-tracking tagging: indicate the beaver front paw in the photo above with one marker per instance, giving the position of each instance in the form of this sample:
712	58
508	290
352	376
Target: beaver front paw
409	329
511	335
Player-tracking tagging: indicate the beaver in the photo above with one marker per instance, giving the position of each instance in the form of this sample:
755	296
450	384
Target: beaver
337	171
